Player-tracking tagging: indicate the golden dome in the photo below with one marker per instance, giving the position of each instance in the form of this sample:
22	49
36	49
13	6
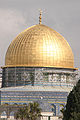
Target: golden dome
39	46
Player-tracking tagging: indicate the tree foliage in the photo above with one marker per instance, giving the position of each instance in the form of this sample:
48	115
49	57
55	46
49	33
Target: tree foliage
21	114
72	110
29	112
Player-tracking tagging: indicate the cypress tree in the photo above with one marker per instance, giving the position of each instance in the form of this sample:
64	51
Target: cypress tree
72	109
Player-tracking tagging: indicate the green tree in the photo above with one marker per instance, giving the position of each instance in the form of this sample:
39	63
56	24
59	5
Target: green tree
21	114
29	112
33	111
72	109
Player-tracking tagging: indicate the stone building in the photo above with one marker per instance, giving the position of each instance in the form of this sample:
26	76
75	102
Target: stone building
39	66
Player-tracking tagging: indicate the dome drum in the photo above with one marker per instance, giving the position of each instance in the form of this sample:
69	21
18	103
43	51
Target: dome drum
38	76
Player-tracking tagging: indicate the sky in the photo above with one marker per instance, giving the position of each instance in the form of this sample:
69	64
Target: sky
61	15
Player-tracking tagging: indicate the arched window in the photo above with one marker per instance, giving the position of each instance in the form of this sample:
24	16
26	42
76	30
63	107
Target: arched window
53	107
15	104
61	106
12	115
3	114
24	103
6	104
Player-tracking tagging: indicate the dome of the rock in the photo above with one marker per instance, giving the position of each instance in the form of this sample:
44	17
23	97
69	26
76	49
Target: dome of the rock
39	46
39	67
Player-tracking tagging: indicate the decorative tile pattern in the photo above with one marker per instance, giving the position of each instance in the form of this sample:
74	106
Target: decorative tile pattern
49	101
20	76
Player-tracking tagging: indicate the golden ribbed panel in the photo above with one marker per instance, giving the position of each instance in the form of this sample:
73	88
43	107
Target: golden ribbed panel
39	46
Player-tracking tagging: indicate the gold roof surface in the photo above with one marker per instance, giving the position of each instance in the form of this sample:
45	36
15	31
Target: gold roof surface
39	46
